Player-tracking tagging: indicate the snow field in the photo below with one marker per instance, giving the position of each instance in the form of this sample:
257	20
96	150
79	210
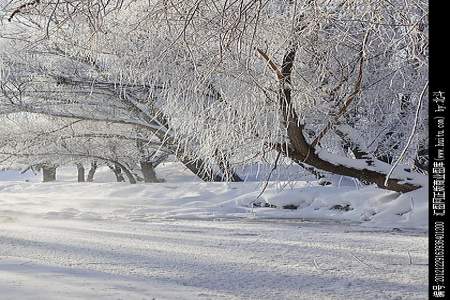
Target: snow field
193	240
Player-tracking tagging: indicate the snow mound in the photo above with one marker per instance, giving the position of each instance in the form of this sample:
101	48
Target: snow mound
369	206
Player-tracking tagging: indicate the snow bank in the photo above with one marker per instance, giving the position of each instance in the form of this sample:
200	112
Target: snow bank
369	206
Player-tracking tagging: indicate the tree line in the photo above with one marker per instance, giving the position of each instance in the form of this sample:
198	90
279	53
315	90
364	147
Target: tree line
337	87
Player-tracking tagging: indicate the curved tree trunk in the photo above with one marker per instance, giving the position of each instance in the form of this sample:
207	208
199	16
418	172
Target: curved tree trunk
91	173
129	175
117	172
299	150
197	167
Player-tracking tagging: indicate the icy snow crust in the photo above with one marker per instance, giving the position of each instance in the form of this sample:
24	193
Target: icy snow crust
193	240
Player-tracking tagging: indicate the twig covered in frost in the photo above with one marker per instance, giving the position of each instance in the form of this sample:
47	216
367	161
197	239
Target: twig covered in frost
316	265
364	263
266	183
413	131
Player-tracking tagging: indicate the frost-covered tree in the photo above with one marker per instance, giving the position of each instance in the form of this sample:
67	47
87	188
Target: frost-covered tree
43	143
336	85
49	78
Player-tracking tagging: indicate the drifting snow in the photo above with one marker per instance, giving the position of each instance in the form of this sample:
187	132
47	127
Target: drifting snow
192	240
183	196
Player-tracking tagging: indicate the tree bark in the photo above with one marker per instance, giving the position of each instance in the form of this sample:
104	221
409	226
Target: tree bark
129	175
117	172
48	173
312	159
80	172
197	167
421	161
148	171
146	162
300	150
228	173
91	173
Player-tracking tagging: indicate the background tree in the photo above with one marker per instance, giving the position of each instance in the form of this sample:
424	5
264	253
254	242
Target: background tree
335	85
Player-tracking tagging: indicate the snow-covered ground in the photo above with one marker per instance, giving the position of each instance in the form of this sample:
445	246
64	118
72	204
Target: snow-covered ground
185	239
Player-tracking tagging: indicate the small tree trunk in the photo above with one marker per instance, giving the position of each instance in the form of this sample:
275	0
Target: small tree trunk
91	173
117	172
228	173
80	172
129	175
422	159
148	171
48	173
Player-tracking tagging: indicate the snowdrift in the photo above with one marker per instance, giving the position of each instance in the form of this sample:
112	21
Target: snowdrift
184	197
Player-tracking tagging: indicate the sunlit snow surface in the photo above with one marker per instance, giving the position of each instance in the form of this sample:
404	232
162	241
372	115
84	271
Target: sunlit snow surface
191	240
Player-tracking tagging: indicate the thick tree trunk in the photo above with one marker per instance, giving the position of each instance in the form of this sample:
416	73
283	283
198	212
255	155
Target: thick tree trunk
80	172
365	174
148	171
147	164
311	170
91	173
48	173
300	150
